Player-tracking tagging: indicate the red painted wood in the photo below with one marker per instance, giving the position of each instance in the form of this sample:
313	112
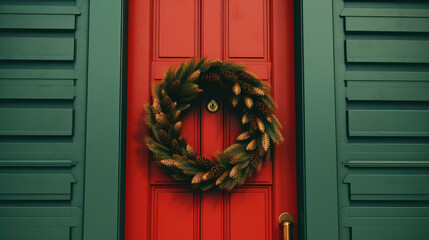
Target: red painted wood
284	94
247	20
211	129
176	23
249	214
174	207
258	33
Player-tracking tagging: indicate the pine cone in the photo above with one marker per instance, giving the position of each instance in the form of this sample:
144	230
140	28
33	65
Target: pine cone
156	105
161	119
165	137
212	62
214	172
261	125
265	141
228	76
175	87
167	104
195	75
236	89
252	145
247	88
234	101
249	102
243	136
205	162
197	178
245	119
211	77
222	177
234	171
253	123
168	162
255	162
263	109
258	91
246	76
191	152
175	146
177	128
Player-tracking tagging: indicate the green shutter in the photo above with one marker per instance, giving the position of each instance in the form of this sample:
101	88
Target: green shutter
43	79
382	116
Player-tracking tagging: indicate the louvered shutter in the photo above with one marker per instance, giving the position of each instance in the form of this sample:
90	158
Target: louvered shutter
43	66
382	94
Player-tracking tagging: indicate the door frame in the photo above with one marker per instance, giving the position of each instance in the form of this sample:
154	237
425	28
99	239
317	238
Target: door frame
315	118
106	123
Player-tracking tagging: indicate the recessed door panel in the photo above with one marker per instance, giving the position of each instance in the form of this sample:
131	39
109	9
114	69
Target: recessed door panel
247	29
249	214
174	213
177	28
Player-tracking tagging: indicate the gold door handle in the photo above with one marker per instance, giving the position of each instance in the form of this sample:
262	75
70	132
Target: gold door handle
286	222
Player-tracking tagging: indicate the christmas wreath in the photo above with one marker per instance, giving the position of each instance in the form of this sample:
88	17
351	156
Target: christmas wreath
247	94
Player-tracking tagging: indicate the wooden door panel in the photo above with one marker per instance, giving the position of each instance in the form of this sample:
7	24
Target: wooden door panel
176	28
247	24
212	215
212	28
175	213
260	69
253	32
249	214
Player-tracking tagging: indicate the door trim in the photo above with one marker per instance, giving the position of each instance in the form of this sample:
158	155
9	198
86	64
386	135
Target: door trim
316	132
105	138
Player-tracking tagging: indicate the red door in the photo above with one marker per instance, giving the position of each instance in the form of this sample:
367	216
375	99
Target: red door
258	33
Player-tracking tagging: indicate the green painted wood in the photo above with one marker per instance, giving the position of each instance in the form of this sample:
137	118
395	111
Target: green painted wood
19	48
318	121
386	164
388	123
380	222
41	223
36	186
26	21
387	212
36	122
388	187
397	149
371	233
38	74
387	75
42	9
384	12
31	214
37	92
381	83
386	24
389	51
387	91
50	97
39	233
105	132
37	163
